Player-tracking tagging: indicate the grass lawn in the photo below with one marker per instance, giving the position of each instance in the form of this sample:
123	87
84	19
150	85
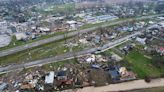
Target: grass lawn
106	53
142	65
50	67
138	63
55	65
40	52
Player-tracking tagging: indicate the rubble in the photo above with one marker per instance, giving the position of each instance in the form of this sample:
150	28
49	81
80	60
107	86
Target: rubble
92	70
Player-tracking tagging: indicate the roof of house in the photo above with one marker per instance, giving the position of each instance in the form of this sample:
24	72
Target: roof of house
61	73
114	74
50	78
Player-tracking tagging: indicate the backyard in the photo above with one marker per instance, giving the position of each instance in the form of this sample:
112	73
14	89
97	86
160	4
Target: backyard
142	65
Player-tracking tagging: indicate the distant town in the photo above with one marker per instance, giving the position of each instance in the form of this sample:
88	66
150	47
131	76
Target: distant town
68	45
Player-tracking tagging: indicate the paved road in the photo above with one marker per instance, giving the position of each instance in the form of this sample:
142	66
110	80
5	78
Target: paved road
52	39
69	55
